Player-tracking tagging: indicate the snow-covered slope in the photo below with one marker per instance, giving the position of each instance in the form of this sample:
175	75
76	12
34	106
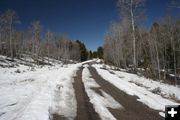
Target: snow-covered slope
141	87
27	94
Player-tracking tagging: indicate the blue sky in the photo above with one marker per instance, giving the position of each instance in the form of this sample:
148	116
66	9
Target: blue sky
85	20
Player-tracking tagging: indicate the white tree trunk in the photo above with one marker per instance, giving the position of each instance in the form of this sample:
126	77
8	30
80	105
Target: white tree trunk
10	38
133	35
157	58
48	36
174	61
0	43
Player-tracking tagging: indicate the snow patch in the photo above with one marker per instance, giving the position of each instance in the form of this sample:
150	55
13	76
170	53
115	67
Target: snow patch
100	103
162	114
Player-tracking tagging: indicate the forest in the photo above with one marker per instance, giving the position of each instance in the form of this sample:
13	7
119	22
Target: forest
155	52
35	42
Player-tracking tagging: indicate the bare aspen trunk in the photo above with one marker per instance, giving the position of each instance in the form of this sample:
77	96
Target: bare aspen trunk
164	68
22	47
157	58
59	53
0	43
174	60
10	38
175	72
48	51
164	60
133	35
48	44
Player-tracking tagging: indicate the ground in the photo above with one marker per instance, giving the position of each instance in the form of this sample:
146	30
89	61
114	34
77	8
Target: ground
81	91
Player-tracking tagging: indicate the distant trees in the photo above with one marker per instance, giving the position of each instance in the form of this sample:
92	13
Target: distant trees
7	23
36	38
132	10
164	49
157	50
34	42
100	52
118	45
49	36
83	51
90	54
94	54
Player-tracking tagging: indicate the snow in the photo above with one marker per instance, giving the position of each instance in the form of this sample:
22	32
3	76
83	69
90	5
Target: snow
34	95
31	92
172	75
100	103
122	81
166	90
162	114
99	61
88	61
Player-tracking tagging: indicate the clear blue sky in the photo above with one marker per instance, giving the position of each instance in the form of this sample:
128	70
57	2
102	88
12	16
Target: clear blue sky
86	20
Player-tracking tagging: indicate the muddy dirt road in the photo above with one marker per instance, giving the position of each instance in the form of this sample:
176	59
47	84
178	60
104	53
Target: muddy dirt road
133	110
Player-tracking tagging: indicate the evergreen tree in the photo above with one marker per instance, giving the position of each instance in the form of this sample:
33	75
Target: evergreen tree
90	54
83	51
94	54
100	52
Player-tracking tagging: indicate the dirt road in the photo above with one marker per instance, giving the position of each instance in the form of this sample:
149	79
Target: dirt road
133	110
85	110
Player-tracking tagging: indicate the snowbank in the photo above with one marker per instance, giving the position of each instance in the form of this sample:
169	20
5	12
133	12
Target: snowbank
122	81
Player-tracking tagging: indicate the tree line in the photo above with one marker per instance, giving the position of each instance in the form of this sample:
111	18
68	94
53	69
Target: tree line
130	45
35	42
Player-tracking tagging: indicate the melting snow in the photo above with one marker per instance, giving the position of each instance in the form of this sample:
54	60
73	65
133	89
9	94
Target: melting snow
100	103
32	95
122	81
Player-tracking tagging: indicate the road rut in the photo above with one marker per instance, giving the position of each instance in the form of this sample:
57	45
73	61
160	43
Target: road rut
133	110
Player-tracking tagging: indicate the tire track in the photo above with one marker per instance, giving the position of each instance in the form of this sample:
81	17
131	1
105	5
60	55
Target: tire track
85	110
134	110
